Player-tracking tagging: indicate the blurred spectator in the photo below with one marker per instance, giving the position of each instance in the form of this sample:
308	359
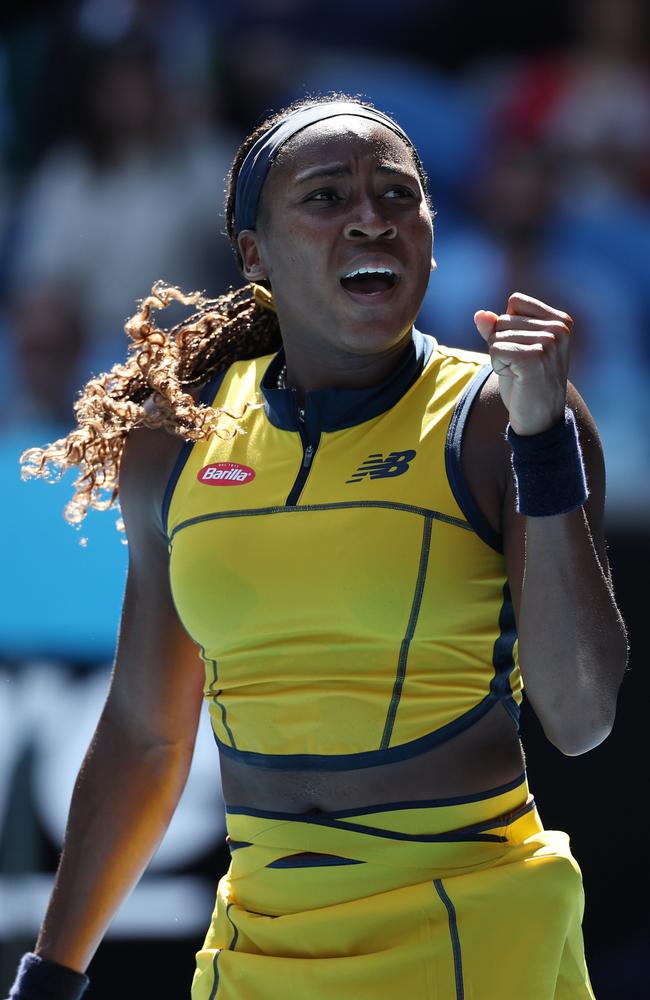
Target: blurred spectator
590	105
48	349
176	32
369	24
134	199
35	66
260	68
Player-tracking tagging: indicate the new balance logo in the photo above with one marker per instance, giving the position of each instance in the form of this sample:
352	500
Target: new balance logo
378	467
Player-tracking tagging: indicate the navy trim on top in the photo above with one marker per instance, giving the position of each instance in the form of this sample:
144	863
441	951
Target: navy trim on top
207	396
179	465
503	656
453	464
410	632
338	505
364	758
214	694
336	409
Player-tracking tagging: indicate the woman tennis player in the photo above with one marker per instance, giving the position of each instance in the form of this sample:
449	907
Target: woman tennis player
337	529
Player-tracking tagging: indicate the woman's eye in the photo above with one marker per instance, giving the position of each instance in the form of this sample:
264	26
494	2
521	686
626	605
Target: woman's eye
332	195
325	194
399	192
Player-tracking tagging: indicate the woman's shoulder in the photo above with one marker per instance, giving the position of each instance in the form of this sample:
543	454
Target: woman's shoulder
148	460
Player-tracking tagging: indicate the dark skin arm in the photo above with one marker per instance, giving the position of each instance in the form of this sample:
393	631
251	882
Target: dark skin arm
572	642
138	761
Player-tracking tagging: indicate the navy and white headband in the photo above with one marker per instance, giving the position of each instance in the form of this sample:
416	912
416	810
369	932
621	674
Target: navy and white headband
260	156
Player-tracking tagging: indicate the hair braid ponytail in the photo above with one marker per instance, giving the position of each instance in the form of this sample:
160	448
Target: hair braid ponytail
161	365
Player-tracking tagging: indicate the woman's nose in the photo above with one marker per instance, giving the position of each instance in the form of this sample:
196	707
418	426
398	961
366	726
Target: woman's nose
369	223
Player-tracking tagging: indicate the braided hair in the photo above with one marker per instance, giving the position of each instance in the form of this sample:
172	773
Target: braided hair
162	364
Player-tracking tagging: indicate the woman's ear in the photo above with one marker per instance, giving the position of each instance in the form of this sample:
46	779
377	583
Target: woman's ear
252	265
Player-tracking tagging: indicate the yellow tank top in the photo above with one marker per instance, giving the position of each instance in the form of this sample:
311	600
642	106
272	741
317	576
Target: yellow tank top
349	598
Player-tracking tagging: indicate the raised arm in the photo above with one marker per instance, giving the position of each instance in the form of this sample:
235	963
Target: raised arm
138	761
572	642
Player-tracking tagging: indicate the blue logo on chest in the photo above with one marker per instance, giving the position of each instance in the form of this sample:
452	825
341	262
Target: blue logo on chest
378	467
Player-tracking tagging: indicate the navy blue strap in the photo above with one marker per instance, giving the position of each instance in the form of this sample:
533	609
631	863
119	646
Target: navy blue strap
208	395
454	466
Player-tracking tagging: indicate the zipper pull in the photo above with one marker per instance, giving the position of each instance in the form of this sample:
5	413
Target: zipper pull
309	454
301	415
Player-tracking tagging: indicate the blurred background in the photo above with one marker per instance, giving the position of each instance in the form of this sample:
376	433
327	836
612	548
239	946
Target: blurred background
118	120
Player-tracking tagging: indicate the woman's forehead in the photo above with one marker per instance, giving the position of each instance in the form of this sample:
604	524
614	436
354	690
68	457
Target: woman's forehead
343	139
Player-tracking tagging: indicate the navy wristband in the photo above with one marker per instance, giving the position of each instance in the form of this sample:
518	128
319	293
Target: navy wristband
548	470
41	979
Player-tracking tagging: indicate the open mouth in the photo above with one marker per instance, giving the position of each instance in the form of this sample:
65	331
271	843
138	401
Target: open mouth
370	280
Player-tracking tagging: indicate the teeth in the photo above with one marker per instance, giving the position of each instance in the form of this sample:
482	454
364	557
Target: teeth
370	270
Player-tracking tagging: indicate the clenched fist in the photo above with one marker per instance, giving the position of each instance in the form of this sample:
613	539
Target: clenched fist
529	349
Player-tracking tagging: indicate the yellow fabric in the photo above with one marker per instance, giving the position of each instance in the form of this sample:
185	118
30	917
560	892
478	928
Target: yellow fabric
491	913
360	620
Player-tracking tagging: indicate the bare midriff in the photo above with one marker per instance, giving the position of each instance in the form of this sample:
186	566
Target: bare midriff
486	755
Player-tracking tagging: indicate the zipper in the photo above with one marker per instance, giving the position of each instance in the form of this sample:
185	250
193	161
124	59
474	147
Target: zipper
308	452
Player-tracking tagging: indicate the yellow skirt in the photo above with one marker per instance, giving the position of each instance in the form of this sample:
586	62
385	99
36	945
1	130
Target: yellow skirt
457	899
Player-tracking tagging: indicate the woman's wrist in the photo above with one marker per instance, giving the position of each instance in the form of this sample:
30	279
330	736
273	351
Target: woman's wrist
548	470
41	979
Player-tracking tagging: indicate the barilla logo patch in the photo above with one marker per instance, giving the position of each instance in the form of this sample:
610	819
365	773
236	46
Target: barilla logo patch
225	474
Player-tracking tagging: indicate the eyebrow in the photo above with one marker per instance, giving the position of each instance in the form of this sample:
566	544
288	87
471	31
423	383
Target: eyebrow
343	170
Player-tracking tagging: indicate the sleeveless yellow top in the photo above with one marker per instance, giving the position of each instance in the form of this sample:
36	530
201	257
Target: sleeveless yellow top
349	598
